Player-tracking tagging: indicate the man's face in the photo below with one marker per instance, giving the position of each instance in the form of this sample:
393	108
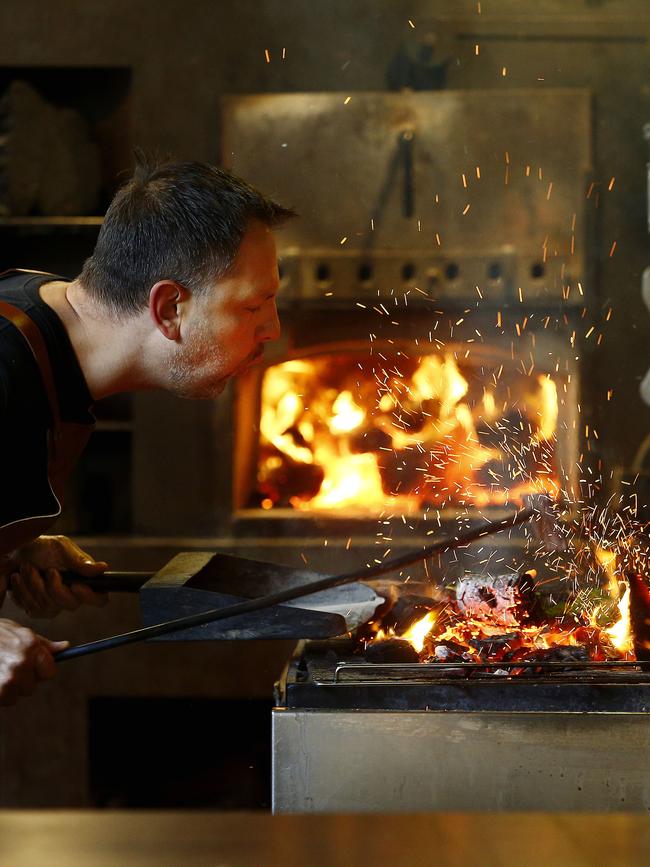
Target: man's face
228	325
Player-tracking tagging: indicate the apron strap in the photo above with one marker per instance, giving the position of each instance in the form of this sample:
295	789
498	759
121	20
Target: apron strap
26	271
34	339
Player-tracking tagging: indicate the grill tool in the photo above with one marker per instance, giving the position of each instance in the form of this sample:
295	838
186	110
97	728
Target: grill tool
193	582
288	594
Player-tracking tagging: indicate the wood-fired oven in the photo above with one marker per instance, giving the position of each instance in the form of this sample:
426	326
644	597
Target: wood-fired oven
431	298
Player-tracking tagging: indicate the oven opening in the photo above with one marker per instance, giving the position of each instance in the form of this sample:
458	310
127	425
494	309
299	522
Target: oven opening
406	430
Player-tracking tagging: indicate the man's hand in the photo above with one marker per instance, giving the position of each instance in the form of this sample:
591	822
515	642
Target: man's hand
34	573
25	659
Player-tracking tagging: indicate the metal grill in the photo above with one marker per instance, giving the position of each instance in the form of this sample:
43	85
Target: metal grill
387	674
327	675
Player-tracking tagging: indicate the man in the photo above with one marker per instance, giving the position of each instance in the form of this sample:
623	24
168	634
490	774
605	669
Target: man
179	294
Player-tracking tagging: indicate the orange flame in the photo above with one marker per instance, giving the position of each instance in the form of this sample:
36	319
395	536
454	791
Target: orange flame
417	633
620	634
401	441
350	480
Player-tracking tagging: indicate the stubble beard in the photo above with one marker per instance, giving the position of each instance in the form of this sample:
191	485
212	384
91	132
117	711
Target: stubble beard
190	359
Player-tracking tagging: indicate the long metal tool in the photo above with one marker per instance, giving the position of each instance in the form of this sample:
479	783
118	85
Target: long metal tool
464	537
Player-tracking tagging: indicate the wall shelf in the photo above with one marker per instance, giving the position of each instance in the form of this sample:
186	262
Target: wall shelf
54	223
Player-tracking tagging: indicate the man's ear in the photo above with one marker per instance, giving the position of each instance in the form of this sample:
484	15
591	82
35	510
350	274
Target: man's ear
165	307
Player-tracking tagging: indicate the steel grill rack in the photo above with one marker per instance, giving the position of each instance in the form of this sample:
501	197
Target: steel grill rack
328	675
362	673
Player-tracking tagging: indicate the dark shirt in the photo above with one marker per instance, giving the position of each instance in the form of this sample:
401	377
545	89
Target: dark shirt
25	414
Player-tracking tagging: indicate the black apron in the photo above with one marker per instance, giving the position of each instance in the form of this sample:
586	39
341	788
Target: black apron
66	440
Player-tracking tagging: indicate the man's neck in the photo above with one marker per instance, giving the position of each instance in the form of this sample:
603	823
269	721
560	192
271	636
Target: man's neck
109	350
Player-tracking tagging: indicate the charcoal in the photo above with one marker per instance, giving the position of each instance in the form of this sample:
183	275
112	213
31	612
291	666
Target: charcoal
560	653
486	596
393	650
495	644
508	599
406	611
448	651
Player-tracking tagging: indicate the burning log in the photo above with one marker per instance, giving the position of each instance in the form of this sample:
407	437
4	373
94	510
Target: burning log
288	478
402	610
296	436
407	610
513	427
370	440
393	650
399	472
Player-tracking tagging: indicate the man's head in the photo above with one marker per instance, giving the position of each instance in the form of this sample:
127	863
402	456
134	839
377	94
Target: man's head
193	245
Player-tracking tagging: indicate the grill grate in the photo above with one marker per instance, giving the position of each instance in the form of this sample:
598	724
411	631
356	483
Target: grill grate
387	674
329	676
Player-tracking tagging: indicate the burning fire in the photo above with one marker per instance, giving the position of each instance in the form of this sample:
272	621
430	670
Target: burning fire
409	434
491	619
464	638
403	433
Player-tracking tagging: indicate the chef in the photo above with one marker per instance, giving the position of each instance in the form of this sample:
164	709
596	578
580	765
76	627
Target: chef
179	294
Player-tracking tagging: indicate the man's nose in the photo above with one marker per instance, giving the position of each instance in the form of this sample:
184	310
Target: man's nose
271	329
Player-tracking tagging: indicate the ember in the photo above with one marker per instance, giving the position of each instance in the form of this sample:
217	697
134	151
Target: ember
494	620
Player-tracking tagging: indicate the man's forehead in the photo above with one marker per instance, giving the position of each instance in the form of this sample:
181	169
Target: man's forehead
257	251
250	284
254	270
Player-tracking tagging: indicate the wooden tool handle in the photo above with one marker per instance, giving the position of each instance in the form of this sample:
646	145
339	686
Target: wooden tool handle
110	582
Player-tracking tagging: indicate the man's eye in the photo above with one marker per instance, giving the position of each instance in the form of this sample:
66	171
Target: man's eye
254	309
